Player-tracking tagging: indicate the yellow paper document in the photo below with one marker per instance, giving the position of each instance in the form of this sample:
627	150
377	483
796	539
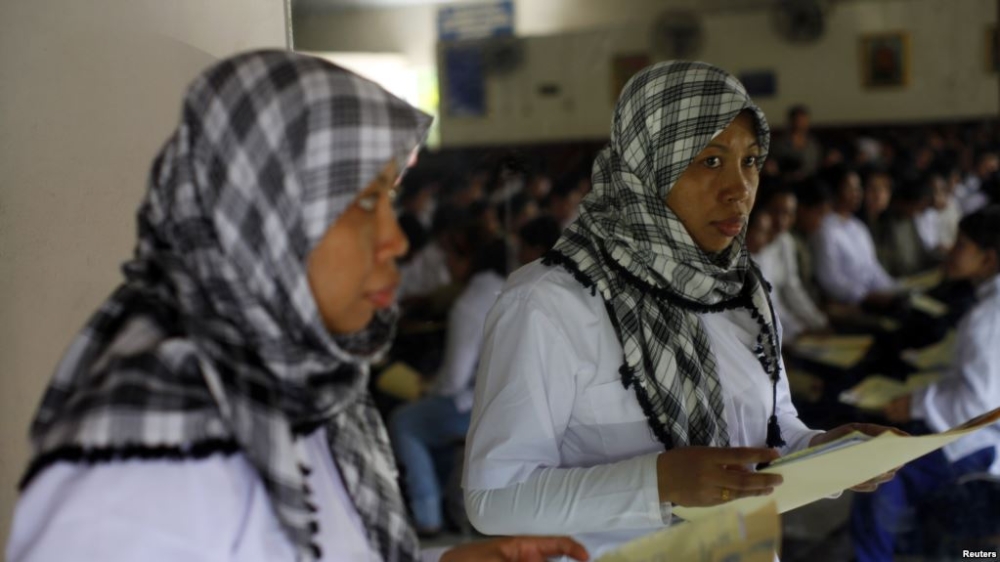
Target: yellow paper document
931	307
922	281
876	391
837	351
401	381
727	535
812	477
935	356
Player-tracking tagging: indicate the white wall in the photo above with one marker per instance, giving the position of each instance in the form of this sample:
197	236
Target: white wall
89	91
948	78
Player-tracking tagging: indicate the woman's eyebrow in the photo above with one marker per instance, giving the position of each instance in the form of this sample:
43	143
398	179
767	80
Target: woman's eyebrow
725	148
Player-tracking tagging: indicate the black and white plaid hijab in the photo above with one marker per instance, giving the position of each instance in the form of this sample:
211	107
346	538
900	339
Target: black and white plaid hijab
214	342
654	279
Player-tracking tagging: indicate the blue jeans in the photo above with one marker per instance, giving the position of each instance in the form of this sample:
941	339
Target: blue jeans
879	519
424	435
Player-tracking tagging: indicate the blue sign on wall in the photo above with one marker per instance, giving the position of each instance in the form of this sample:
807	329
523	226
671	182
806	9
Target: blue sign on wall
465	95
476	21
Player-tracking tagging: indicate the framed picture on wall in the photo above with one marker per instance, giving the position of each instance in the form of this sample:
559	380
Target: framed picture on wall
885	60
992	50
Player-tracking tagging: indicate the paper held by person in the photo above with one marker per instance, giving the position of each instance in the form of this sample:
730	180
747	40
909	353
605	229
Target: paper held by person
820	472
727	534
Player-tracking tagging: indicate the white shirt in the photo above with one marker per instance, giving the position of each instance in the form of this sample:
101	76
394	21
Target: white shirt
465	339
213	510
845	262
972	385
792	304
427	271
557	445
969	195
938	228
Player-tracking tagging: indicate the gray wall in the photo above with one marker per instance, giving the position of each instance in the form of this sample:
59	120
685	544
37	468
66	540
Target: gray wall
88	93
572	43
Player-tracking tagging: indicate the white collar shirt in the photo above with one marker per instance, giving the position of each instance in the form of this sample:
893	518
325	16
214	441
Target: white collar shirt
557	445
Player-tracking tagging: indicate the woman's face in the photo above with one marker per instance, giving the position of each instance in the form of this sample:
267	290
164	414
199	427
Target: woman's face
352	270
783	209
715	193
849	194
759	232
878	193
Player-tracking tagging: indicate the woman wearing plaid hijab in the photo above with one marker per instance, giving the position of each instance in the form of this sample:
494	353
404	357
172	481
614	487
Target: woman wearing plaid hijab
215	407
638	366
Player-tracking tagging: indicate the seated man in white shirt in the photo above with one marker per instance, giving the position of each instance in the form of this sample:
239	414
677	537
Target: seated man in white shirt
938	225
898	244
428	430
779	264
844	253
969	194
427	271
969	388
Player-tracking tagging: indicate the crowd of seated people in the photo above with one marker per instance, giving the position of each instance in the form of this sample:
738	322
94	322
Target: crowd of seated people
839	222
467	230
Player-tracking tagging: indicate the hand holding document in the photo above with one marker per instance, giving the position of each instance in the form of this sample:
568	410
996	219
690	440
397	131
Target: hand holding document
728	535
822	471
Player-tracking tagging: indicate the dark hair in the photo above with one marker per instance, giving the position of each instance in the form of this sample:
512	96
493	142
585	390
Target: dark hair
566	185
515	204
835	176
812	192
484	250
447	217
491	257
542	232
991	187
914	190
983	228
768	192
413	183
872	170
478	208
756	213
796	110
416	234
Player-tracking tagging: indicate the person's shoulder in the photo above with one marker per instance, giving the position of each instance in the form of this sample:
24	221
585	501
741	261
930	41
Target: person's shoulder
548	286
200	502
984	316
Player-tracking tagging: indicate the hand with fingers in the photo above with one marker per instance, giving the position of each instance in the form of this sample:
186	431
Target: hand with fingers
516	549
705	476
867	429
